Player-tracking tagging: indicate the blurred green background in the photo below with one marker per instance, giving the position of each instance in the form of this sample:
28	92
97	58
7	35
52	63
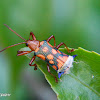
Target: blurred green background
74	22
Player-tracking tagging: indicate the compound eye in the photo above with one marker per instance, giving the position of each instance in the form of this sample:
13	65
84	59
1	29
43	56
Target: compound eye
26	44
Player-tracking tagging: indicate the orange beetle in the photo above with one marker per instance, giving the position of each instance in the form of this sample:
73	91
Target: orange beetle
60	61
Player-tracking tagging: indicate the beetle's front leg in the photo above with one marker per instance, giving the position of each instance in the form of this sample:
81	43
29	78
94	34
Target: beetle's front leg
33	36
51	38
33	58
20	53
51	73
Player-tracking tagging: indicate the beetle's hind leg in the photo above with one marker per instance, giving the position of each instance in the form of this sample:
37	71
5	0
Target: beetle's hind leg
51	73
69	51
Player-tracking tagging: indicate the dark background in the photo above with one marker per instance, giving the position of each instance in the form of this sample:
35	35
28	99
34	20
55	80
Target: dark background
74	22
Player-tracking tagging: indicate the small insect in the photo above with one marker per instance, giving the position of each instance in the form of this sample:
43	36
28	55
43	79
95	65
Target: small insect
60	61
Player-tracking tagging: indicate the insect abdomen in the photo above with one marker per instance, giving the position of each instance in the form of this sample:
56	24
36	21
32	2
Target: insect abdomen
52	56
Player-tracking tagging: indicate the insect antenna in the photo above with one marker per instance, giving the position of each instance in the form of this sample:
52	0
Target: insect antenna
12	46
14	32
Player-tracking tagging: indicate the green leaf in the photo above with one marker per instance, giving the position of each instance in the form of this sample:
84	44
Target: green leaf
83	81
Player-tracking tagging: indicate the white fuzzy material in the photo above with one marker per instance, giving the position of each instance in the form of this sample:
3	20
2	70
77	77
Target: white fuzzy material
67	65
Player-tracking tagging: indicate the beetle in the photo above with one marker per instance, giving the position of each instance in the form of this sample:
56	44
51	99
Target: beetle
60	61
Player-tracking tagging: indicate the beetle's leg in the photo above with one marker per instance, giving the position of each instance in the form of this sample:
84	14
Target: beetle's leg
33	36
69	51
33	58
51	73
20	53
51	38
